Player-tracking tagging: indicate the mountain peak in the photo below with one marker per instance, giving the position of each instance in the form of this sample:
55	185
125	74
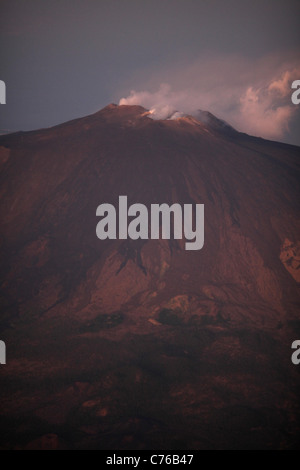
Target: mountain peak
206	118
212	121
126	331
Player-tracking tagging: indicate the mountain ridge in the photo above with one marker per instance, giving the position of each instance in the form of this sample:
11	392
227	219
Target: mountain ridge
205	118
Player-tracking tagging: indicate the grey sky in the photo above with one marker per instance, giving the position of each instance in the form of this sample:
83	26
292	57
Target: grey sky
65	59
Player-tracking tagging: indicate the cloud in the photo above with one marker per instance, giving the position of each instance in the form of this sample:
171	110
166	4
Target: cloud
254	96
283	85
262	113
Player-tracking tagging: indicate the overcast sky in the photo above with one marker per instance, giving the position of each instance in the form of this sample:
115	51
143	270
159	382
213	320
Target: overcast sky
63	59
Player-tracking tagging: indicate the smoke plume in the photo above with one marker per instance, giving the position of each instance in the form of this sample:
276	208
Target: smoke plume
253	97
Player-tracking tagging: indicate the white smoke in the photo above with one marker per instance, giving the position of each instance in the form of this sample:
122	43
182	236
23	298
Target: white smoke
162	104
254	97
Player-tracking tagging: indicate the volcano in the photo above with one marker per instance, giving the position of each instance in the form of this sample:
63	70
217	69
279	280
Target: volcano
140	344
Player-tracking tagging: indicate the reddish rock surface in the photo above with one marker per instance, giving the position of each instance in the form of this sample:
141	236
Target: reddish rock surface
123	344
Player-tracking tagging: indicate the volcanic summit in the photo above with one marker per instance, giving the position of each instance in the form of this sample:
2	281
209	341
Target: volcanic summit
140	344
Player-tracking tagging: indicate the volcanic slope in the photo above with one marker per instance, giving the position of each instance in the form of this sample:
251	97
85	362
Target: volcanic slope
140	343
